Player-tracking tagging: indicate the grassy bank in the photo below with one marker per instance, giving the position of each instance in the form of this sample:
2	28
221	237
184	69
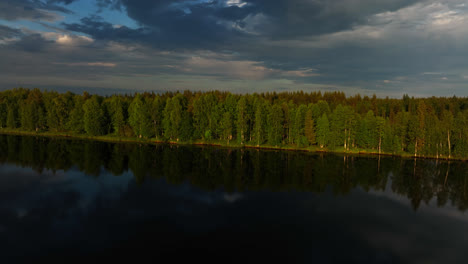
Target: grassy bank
232	144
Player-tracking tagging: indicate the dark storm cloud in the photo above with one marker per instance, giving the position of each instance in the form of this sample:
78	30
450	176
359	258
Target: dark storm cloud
217	25
7	32
30	10
112	4
281	18
296	18
165	24
66	2
98	28
382	47
32	43
246	27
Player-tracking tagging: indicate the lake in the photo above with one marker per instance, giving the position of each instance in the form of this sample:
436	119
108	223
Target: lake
74	200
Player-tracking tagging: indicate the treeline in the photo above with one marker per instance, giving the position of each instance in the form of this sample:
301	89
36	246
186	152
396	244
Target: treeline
435	126
234	170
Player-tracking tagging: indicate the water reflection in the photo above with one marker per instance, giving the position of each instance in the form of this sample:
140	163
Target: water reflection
83	199
245	169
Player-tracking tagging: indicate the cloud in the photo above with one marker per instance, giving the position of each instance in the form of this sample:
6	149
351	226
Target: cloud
212	24
35	41
92	64
66	2
73	40
388	47
249	70
229	66
9	35
111	4
32	43
301	73
96	27
8	31
32	10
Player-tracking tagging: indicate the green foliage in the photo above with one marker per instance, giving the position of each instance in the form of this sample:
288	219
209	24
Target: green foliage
299	126
323	131
367	136
338	127
177	122
156	113
3	114
275	125
259	134
320	108
139	117
76	122
242	120
93	117
32	112
435	127
57	109
227	127
117	113
206	115
309	127
12	116
208	135
460	135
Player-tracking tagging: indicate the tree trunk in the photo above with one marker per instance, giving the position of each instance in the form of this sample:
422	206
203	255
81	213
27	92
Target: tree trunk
448	141
349	138
416	148
380	143
345	133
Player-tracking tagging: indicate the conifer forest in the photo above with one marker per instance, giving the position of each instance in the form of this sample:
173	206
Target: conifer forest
434	127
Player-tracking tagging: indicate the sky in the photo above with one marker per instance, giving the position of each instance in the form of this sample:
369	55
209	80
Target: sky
386	47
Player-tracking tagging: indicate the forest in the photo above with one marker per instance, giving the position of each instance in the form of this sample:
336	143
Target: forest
330	121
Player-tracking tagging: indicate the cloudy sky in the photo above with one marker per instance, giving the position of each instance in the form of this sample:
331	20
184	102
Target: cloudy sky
386	47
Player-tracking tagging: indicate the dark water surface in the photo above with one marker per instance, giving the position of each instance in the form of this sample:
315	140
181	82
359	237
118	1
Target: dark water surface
76	201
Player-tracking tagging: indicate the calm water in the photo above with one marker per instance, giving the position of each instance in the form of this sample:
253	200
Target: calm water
72	200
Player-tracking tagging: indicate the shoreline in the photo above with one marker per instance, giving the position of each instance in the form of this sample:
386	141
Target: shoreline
115	139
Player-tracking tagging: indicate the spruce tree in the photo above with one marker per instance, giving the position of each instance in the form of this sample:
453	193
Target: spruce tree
323	131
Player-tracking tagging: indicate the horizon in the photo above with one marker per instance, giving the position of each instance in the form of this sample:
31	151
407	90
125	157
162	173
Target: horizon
106	47
125	92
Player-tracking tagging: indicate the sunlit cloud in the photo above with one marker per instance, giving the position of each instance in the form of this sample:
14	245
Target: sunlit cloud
383	47
73	40
91	64
238	3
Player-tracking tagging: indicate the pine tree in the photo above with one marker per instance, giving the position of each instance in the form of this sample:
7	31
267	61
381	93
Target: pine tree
176	122
447	126
275	125
139	117
260	123
299	125
117	115
242	120
93	117
3	114
323	131
76	122
12	116
156	113
309	128
227	127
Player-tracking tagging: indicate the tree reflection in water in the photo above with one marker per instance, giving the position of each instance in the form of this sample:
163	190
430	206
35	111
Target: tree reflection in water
239	170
